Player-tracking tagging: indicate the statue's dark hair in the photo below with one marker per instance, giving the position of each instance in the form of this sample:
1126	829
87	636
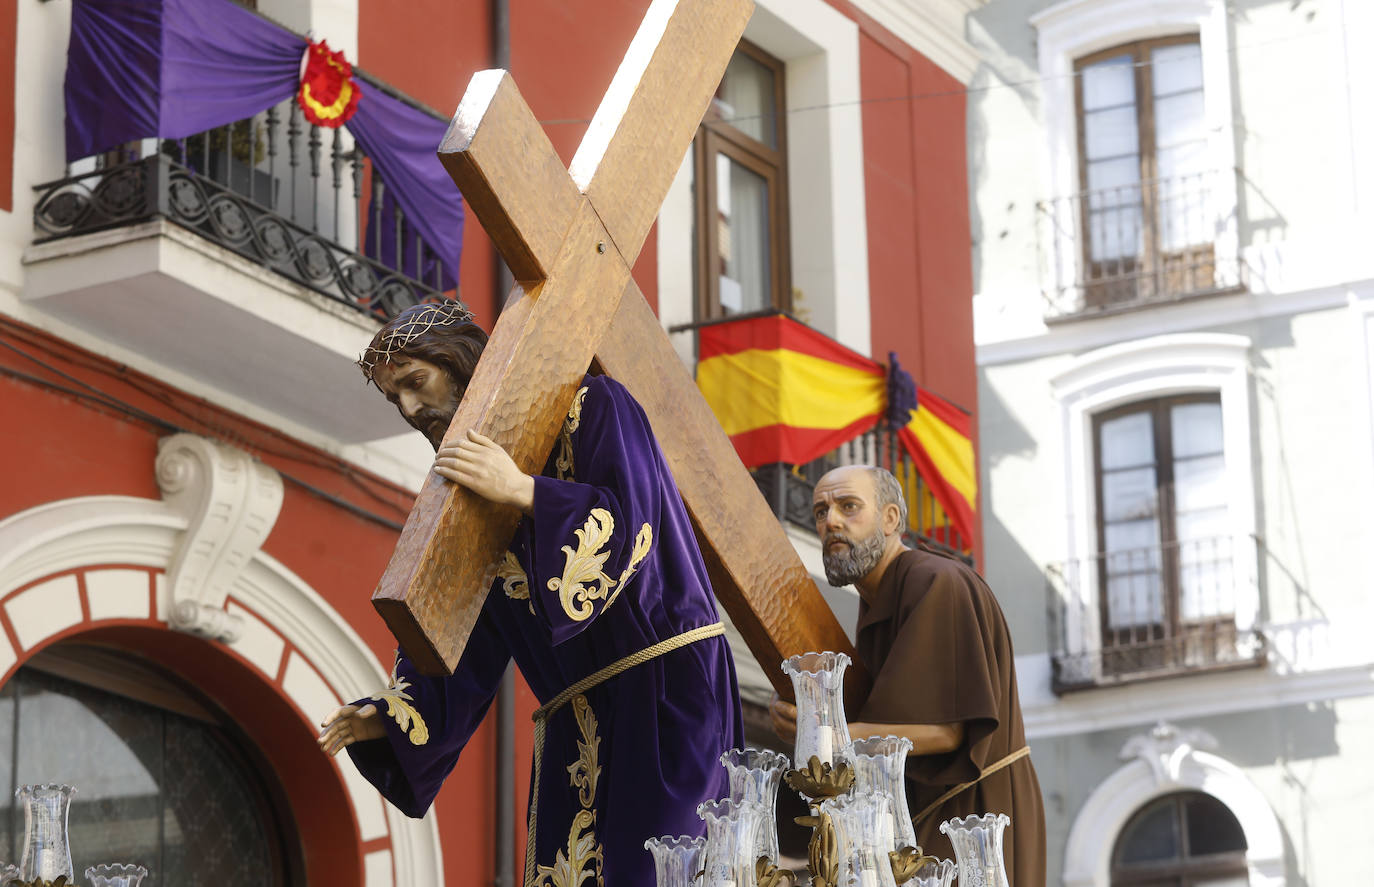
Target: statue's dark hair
449	340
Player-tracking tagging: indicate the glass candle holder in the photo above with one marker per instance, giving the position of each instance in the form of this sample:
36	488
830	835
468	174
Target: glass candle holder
677	861
934	874
977	844
863	832
818	684
47	854
880	767
732	838
116	874
755	775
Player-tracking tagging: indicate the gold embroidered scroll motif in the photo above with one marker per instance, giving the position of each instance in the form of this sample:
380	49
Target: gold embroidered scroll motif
584	579
643	542
399	708
582	858
564	463
513	579
585	770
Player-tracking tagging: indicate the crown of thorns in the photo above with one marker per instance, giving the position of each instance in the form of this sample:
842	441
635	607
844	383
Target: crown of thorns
393	339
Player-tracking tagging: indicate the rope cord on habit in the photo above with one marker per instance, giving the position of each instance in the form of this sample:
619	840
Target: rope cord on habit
1023	751
543	713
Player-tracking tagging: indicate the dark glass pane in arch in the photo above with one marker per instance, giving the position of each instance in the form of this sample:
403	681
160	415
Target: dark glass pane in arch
1152	835
166	790
212	822
1212	827
110	749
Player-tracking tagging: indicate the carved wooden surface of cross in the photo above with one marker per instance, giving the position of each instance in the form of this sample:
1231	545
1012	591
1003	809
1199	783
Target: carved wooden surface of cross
570	237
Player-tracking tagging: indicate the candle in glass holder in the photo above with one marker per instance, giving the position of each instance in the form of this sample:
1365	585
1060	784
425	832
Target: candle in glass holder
879	764
818	683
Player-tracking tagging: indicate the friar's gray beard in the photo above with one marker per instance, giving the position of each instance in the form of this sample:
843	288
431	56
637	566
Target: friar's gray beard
855	562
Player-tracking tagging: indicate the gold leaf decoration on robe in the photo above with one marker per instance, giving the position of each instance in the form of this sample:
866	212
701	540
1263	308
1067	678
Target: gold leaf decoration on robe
585	770
399	707
583	580
564	463
513	579
643	542
581	860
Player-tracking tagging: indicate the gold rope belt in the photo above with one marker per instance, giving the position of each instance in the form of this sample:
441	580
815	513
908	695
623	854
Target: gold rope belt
1010	759
542	714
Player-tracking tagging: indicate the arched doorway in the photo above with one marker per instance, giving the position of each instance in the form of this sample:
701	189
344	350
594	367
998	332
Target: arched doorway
1184	839
166	779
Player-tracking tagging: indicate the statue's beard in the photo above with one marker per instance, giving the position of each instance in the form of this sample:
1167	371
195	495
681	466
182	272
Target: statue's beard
432	423
854	562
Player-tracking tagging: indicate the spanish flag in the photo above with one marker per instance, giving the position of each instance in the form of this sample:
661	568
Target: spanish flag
784	392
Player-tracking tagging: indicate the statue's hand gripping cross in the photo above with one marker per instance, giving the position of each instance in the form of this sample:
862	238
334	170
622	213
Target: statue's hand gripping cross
570	238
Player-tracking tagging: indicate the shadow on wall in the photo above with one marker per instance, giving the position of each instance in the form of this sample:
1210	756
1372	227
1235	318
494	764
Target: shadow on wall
1015	578
1005	41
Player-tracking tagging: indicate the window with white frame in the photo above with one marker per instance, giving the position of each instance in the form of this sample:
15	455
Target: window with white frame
1140	194
1160	572
1144	172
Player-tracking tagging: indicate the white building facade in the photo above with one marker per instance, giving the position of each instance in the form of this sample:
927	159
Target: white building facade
1173	316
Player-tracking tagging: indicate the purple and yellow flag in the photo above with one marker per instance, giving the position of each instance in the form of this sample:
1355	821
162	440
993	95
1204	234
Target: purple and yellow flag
784	392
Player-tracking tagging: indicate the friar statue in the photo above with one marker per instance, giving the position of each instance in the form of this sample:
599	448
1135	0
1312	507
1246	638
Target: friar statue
603	602
932	635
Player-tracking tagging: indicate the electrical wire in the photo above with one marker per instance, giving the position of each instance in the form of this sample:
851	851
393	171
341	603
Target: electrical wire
1231	51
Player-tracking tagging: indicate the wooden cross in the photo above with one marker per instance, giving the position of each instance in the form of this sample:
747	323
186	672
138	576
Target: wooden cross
570	237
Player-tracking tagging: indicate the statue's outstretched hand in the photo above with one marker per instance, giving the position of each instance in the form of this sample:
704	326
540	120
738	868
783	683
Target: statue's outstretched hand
350	724
784	717
480	464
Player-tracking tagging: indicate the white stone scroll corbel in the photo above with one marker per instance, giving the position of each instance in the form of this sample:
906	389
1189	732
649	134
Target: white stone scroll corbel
230	502
1166	748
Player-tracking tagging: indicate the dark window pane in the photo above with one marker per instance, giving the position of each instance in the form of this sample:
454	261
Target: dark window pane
1212	828
212	820
154	787
1152	836
9	845
110	749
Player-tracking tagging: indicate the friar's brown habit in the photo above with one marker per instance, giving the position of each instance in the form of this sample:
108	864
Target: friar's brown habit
937	645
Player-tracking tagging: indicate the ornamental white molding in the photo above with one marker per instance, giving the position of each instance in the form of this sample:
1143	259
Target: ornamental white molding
72	534
1166	748
230	502
1183	766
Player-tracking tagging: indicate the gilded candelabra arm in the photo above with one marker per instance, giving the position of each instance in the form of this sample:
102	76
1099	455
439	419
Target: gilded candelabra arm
39	882
823	856
818	780
769	875
907	862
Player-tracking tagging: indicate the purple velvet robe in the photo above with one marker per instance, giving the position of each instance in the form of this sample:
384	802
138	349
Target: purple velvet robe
607	566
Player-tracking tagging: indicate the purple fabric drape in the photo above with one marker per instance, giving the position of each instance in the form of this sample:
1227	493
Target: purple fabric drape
402	141
114	74
171	68
221	63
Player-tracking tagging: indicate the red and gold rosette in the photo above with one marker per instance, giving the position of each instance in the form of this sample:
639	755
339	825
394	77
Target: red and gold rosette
328	94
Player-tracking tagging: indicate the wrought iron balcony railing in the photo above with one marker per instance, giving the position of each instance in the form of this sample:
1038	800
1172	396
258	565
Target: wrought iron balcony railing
272	188
1142	613
789	488
1140	243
